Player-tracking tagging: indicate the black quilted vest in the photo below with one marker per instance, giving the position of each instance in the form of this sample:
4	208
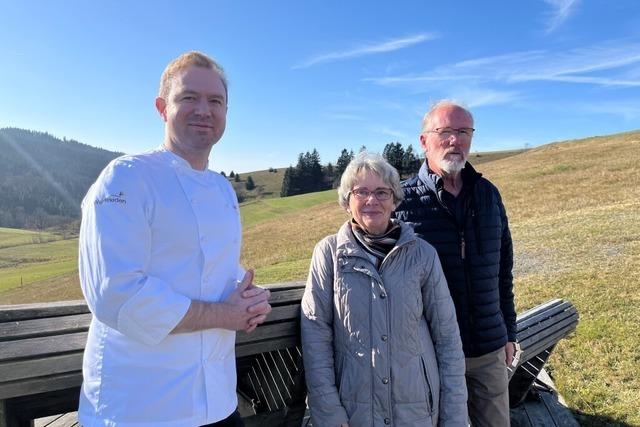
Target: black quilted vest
476	255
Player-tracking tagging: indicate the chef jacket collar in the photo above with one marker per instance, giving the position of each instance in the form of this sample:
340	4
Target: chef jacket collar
180	162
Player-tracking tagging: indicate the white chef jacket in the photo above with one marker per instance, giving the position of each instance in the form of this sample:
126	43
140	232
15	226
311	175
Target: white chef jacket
155	235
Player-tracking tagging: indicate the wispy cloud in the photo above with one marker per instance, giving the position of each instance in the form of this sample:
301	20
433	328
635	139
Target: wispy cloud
574	66
368	49
480	97
630	110
391	132
344	116
561	10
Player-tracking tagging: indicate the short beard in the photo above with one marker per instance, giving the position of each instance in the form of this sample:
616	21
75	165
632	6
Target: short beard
452	167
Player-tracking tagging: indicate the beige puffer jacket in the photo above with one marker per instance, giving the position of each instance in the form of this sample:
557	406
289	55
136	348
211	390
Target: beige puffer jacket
381	347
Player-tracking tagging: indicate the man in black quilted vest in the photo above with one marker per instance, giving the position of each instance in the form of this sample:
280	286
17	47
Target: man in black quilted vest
461	214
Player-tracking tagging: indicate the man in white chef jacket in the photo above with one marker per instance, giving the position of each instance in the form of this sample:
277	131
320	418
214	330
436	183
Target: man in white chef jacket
159	268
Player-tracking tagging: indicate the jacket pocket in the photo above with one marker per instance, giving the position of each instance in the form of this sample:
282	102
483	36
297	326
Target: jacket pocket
427	386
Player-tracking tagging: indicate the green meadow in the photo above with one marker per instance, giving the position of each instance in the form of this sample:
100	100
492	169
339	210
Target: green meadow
574	211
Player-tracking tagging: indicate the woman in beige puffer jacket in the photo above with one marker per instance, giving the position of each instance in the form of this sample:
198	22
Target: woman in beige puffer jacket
379	334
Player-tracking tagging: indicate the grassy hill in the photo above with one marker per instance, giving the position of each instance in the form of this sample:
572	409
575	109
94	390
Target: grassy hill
574	210
268	184
43	178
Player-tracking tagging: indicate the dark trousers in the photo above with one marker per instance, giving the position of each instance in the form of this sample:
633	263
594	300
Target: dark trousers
233	420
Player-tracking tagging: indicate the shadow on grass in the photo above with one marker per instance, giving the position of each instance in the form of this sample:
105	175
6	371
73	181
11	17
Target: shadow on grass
588	420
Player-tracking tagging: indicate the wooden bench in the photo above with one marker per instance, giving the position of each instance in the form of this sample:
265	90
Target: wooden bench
538	331
41	348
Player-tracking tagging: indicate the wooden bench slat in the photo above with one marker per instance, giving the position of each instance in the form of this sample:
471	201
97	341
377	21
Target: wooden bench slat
265	332
287	296
538	315
32	328
281	293
22	369
40	385
542	345
42	346
10	313
540	326
539	308
259	347
285	312
565	325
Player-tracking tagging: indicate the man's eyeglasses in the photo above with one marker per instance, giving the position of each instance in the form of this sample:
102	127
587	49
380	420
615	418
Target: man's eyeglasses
380	194
446	133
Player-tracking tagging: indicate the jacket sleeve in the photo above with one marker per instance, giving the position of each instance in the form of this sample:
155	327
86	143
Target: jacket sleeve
114	252
441	317
507	304
318	341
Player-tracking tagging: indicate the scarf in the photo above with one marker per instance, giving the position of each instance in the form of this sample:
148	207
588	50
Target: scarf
378	246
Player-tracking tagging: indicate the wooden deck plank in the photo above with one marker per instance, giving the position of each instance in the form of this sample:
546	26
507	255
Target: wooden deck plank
538	414
64	420
46	421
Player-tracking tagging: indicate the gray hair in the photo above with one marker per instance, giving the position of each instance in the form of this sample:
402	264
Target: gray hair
370	162
428	117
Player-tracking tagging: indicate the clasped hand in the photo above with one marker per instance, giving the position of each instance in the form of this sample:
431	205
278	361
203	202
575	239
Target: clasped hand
248	304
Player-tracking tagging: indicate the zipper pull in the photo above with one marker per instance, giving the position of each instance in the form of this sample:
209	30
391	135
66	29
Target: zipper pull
462	245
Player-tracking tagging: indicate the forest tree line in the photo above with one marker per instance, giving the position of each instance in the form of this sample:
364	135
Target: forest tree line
309	175
43	179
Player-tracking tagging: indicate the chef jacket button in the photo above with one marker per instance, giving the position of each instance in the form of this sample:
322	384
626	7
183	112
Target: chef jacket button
387	421
385	380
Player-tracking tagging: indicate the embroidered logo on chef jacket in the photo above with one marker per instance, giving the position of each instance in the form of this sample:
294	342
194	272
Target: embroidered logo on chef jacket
112	198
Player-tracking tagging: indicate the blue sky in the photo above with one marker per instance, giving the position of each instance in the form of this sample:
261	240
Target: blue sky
324	74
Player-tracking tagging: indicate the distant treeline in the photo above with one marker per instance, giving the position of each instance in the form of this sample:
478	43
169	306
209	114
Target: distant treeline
309	175
43	179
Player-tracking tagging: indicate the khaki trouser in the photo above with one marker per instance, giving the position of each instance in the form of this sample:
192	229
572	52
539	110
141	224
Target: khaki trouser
488	388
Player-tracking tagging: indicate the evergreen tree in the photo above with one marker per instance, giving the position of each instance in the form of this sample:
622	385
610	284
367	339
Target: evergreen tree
316	176
328	173
223	174
286	182
237	178
341	165
394	153
231	175
410	163
249	185
307	176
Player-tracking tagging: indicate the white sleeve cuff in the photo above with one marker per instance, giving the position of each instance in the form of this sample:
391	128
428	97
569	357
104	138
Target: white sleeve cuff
152	313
